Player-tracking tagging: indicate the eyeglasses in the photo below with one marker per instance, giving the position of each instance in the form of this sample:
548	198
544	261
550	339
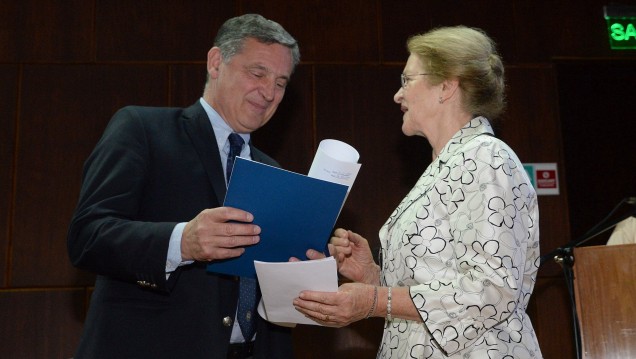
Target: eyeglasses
404	79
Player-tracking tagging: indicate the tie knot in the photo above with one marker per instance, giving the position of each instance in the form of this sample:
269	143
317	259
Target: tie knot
236	141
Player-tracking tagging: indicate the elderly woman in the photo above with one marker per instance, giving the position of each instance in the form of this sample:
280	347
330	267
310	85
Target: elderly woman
459	254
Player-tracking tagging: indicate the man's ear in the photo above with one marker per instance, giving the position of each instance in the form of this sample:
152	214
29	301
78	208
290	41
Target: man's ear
214	61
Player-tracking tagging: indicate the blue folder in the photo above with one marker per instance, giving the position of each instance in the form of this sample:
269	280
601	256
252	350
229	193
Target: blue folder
295	213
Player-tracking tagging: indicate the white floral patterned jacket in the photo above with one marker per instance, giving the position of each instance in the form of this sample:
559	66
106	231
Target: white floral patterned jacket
465	240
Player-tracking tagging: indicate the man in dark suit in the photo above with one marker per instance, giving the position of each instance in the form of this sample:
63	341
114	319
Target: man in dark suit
149	216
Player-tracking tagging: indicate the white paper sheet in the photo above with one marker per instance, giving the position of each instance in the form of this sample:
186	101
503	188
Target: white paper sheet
335	161
282	282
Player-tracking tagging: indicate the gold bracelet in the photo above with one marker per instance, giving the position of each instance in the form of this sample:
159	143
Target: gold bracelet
388	307
375	302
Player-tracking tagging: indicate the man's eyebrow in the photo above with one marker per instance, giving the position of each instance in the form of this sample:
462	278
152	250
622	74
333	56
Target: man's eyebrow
266	69
258	66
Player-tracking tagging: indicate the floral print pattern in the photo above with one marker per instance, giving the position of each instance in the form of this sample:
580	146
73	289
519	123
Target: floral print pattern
465	240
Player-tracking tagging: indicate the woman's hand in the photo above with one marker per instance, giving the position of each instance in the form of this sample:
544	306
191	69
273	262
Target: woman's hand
354	258
350	303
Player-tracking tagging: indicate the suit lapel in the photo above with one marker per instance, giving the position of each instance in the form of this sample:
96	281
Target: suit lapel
197	126
256	154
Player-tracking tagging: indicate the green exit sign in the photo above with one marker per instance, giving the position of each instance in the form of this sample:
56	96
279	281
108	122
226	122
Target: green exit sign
621	26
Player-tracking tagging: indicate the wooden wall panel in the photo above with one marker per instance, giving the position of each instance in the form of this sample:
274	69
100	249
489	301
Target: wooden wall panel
64	111
165	30
327	30
532	91
40	324
8	103
46	31
186	83
552	319
417	16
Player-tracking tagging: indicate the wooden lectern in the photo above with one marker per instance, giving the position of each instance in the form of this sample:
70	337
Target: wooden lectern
605	287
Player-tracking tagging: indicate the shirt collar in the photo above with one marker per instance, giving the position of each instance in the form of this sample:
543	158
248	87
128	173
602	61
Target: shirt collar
477	126
221	128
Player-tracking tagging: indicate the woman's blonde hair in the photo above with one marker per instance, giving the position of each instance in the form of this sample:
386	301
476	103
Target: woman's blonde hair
470	56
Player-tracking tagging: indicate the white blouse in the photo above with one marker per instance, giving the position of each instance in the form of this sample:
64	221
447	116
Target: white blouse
465	240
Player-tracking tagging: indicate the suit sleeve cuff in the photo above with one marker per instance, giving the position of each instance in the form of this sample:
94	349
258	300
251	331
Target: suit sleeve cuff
174	260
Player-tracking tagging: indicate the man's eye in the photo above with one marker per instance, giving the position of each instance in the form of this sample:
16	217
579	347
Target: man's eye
257	74
281	84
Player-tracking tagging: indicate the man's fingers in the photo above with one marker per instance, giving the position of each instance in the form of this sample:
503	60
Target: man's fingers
314	254
237	241
207	229
225	214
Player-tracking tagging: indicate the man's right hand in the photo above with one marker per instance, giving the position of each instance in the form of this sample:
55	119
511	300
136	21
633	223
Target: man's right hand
218	233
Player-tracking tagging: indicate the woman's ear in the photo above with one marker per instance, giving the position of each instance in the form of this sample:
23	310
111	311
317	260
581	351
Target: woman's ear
449	87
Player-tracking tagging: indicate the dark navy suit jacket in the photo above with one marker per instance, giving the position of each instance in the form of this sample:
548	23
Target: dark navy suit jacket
152	168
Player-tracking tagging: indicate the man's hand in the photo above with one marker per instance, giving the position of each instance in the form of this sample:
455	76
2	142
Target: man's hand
218	233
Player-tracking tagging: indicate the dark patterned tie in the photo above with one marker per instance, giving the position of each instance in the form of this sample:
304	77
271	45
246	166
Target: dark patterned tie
236	144
248	289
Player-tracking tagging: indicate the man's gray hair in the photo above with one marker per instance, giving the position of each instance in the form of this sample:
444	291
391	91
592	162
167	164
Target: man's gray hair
234	31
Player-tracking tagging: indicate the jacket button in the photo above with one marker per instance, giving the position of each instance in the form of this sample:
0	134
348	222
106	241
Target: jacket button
227	321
